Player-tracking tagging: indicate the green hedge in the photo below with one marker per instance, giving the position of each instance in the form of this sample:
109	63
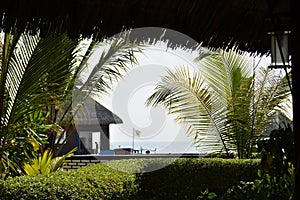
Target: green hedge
90	182
186	178
183	179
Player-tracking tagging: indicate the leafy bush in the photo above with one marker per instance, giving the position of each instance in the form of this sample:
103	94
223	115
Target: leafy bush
186	177
267	187
276	174
90	182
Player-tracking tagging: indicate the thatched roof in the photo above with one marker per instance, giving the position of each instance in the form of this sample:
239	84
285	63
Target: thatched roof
105	116
216	23
92	113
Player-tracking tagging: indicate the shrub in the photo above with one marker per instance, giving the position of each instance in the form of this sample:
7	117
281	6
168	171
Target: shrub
186	177
276	174
183	179
90	182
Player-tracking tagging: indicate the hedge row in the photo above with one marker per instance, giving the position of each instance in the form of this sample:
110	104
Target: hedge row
186	178
183	179
90	182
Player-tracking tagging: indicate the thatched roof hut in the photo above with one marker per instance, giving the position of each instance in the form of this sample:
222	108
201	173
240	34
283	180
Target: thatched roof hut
91	118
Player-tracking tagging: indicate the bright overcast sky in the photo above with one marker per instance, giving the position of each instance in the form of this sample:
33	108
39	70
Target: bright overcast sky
128	96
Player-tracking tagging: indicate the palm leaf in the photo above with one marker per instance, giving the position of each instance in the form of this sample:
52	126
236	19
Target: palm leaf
111	65
35	66
10	40
195	104
45	75
34	75
230	75
233	104
271	92
219	70
112	62
13	67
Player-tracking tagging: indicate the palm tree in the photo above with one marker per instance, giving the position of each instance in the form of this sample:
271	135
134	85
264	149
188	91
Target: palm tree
224	104
26	87
37	77
112	63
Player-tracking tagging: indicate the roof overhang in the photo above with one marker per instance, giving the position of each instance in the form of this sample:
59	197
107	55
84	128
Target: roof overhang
215	23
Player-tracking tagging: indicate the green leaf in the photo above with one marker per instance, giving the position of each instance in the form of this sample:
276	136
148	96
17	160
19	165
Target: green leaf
212	195
225	105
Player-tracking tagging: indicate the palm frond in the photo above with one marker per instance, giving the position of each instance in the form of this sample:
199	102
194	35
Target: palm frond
195	104
37	70
219	71
234	102
13	67
113	62
270	93
230	75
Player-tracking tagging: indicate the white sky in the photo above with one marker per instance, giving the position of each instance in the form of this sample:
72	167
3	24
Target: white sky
128	96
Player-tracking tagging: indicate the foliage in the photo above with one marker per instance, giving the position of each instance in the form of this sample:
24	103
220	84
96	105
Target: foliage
45	163
23	142
90	182
186	177
219	155
277	152
225	104
180	180
26	89
37	77
115	59
26	71
207	195
267	187
276	175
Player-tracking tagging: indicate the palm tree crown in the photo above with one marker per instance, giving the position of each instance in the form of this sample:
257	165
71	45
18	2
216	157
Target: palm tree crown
225	104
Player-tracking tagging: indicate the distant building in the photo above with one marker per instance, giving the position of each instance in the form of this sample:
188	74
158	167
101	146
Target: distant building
90	132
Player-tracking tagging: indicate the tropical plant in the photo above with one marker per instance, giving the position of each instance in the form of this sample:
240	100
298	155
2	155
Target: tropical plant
37	76
225	104
276	179
116	58
207	195
46	163
27	65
